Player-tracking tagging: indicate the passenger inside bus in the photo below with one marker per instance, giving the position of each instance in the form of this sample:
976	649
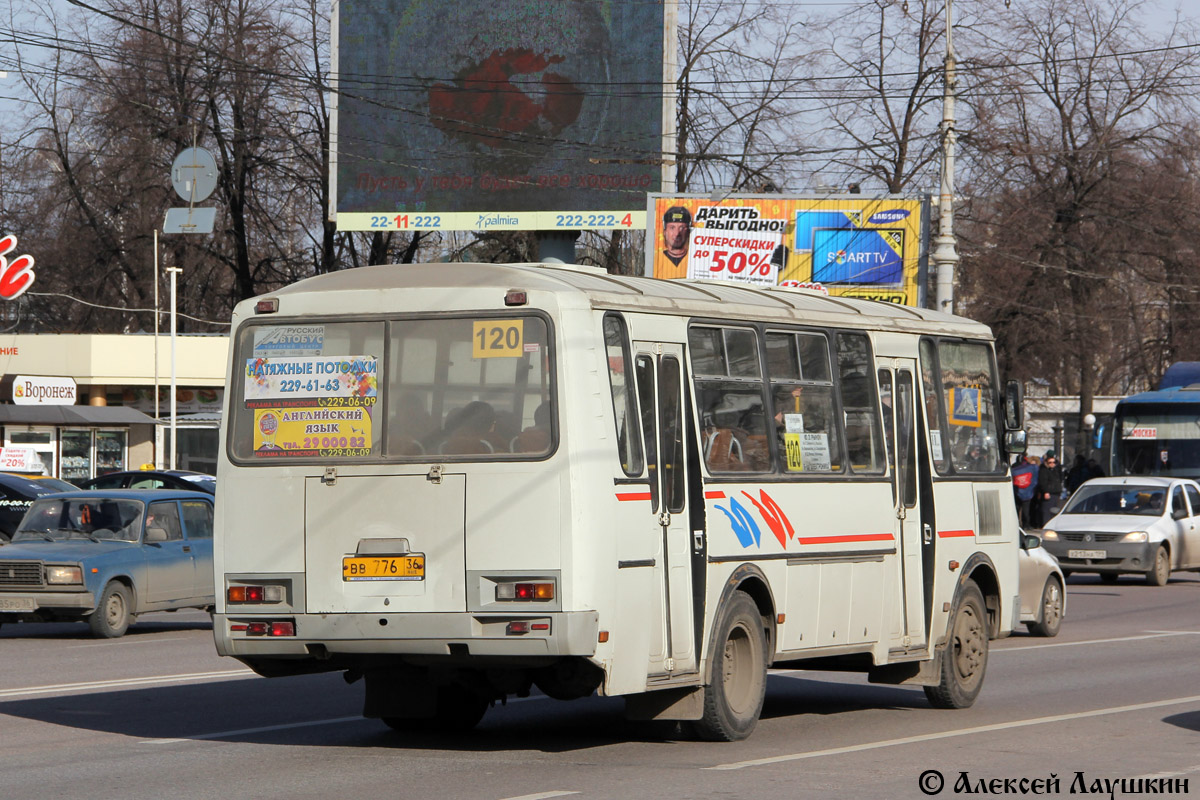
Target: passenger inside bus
468	430
414	424
535	439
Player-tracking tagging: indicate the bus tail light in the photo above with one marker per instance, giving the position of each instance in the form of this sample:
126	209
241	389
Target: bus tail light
522	626
524	591
254	594
277	628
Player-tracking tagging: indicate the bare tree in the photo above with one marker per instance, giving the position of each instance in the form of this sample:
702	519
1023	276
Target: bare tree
1064	178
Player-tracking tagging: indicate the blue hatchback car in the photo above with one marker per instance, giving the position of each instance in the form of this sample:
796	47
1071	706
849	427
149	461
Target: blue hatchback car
106	556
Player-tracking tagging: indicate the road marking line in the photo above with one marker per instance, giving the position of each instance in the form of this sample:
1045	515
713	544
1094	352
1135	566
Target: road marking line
541	795
124	642
1150	635
197	677
1184	771
263	729
928	737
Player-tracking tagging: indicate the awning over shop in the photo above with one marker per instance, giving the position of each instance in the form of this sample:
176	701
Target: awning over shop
72	415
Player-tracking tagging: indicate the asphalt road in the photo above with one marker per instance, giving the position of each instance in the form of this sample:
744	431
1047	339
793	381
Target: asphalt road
157	714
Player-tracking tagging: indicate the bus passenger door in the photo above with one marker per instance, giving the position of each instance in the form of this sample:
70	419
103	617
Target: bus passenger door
661	382
896	380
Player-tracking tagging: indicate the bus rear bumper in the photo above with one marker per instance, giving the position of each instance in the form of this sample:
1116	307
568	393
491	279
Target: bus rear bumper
568	633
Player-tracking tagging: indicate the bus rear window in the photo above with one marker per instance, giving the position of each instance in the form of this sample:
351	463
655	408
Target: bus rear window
472	387
469	387
307	391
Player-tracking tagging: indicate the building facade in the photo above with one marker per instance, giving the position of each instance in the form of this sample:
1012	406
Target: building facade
118	420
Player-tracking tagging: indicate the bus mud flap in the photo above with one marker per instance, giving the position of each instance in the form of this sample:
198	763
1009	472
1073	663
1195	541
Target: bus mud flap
683	704
911	673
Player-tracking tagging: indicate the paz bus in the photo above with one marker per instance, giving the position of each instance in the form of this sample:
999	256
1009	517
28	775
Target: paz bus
1158	432
459	482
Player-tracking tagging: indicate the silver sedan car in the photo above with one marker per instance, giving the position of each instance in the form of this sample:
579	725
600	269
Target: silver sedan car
1141	524
1043	588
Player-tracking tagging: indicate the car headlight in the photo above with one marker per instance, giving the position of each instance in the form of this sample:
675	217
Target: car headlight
64	575
1136	536
1049	534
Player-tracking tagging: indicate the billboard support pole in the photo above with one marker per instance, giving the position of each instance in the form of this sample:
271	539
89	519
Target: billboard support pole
556	247
945	257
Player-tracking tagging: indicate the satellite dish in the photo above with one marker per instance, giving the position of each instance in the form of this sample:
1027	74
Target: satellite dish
194	174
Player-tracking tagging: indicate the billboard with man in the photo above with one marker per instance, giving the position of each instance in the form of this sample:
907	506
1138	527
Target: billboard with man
498	114
846	246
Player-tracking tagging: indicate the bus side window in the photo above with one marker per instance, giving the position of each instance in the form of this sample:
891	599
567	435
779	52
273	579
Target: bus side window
931	389
860	407
802	404
729	397
644	372
616	347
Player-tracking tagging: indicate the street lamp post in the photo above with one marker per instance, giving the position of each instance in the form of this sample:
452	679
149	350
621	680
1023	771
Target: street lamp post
174	445
945	256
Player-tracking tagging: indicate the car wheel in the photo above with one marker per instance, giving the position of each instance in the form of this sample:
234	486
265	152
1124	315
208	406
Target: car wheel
1160	573
964	659
1110	577
113	613
1051	610
733	699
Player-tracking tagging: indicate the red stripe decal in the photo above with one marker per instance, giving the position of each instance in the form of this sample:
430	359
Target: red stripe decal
859	537
714	495
954	534
623	496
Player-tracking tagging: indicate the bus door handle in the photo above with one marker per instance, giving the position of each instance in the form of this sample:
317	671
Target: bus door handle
698	541
664	518
928	533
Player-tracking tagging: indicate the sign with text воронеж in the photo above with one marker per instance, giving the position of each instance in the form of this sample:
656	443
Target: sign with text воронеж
41	390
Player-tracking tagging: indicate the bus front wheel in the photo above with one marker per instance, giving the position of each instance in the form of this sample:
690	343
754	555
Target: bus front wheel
964	659
733	698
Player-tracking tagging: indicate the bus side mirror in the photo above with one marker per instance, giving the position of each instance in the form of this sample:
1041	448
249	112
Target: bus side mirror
1014	442
1014	407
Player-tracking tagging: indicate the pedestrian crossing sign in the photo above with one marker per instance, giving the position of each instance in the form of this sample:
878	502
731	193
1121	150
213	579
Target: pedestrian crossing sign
965	406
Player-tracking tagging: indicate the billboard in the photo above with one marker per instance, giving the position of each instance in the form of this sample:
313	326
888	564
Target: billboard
498	114
845	246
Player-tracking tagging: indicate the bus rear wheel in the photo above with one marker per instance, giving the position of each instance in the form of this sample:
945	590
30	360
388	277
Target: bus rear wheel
733	698
964	659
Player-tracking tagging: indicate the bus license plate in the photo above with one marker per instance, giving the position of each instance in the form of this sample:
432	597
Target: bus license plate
384	568
1086	554
18	604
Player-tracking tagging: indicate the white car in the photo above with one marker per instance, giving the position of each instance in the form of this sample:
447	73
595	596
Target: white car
1136	524
1042	587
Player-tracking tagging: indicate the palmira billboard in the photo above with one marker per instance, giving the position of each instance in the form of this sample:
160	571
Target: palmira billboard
498	114
846	246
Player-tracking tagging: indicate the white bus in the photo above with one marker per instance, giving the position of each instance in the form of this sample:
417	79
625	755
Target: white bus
461	481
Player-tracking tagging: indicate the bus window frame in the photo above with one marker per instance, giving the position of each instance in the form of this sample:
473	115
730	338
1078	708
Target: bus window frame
238	385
